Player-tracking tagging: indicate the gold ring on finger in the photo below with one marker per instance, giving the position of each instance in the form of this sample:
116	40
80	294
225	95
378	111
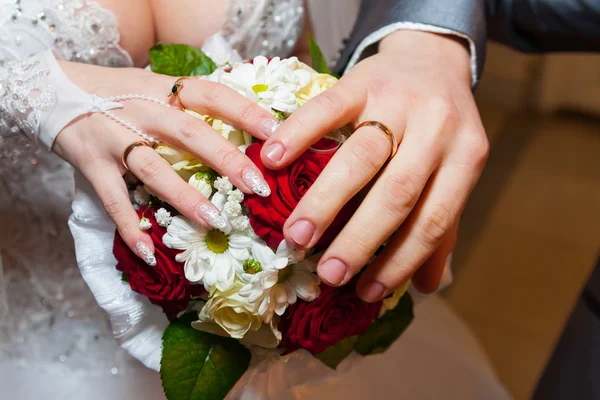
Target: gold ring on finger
378	125
176	89
129	149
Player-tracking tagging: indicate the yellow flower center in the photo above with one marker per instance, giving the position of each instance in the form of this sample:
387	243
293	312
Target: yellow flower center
284	274
260	87
217	241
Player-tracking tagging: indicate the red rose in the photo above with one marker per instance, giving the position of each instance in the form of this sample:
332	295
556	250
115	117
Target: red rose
165	283
288	185
336	314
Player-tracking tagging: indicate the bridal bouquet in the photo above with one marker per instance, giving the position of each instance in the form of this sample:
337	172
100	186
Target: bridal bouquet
230	291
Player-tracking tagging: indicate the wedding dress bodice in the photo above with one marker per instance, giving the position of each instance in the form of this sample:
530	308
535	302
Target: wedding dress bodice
48	317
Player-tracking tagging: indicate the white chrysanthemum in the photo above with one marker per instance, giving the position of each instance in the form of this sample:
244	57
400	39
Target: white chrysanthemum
145	224
223	185
272	84
163	217
210	255
276	279
199	182
141	197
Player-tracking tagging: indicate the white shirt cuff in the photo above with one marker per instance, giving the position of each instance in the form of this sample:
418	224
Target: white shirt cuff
413	26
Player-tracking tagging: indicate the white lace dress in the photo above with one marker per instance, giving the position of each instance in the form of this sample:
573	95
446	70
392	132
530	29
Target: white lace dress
50	324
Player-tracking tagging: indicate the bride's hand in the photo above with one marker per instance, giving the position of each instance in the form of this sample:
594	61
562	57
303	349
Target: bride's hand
94	144
419	86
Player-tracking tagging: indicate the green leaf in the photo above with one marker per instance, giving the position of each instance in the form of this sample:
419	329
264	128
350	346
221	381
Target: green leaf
197	365
385	330
338	352
319	62
180	60
124	277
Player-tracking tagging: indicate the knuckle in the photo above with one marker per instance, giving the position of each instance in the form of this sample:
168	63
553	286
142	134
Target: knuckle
361	248
247	112
150	168
213	93
114	207
192	129
366	155
437	222
183	198
332	102
443	107
480	150
228	156
400	193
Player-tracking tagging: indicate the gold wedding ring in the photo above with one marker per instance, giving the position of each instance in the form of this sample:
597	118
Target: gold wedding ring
129	149
177	86
386	131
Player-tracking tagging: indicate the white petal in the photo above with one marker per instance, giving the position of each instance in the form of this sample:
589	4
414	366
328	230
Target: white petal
238	241
255	295
270	279
280	263
239	254
194	271
260	61
304	77
291	293
262	253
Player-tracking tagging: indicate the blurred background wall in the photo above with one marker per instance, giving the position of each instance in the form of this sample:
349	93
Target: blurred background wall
530	235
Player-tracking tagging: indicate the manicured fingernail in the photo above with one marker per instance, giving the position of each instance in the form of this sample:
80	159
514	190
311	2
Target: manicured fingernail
256	182
269	126
274	152
145	253
333	271
372	292
211	214
302	232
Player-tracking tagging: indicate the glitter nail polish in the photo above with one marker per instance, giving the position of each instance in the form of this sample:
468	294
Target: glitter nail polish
211	214
145	254
256	182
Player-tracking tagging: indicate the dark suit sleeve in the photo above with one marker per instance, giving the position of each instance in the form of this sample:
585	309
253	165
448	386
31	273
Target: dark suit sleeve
545	25
466	18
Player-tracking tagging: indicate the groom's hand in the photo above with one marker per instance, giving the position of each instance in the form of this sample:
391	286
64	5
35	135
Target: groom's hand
419	86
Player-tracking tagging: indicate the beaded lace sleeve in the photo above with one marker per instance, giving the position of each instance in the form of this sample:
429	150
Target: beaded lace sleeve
36	98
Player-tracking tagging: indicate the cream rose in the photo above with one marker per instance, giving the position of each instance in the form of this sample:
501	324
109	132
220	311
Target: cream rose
228	314
317	85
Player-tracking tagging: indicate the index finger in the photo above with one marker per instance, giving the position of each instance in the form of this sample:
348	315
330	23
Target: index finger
322	114
218	100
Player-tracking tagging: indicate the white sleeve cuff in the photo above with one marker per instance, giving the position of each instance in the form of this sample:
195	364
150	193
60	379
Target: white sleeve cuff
413	26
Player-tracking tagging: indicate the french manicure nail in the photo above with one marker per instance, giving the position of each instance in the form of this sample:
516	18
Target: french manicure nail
211	214
333	271
302	232
372	292
145	253
269	126
274	152
256	182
